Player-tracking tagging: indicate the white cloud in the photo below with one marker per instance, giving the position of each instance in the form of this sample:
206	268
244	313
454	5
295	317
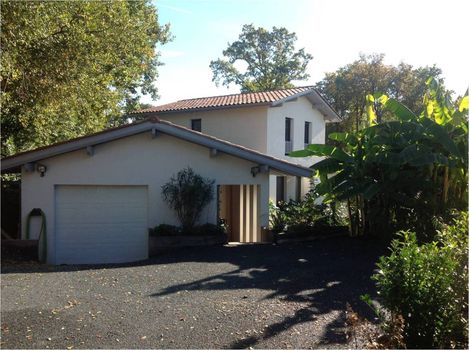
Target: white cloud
175	9
165	54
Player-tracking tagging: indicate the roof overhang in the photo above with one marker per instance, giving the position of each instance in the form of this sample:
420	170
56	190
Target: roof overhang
315	98
154	125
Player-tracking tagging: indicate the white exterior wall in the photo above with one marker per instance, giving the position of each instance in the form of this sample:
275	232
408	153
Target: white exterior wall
300	111
135	160
305	186
243	126
263	128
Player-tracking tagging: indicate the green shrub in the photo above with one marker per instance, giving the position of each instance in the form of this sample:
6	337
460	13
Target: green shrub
209	230
188	194
300	230
200	230
427	285
307	212
166	230
277	218
298	212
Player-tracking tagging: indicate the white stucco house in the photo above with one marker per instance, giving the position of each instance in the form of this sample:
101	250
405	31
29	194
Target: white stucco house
100	193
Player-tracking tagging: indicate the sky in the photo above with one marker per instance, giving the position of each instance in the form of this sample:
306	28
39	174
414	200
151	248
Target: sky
335	32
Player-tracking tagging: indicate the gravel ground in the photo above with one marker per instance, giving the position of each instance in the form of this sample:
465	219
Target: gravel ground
259	296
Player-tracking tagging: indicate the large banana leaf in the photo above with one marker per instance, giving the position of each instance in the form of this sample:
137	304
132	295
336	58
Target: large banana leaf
322	151
338	179
328	165
371	190
441	136
429	158
313	150
388	158
464	104
302	153
344	137
399	110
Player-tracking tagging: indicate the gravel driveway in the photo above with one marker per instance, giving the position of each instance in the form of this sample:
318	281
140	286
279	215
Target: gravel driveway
260	296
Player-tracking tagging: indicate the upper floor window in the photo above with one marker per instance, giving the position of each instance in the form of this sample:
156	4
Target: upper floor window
307	133
288	135
196	124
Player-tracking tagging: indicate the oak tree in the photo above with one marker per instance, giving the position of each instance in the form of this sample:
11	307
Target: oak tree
69	68
347	87
269	56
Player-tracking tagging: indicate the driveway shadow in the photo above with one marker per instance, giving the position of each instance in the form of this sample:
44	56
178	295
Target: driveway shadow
322	275
318	277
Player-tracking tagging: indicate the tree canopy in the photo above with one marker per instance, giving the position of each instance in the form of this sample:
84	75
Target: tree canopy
347	87
69	68
271	59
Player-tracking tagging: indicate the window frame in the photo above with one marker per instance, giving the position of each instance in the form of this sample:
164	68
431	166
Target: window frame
288	135
193	125
307	133
280	189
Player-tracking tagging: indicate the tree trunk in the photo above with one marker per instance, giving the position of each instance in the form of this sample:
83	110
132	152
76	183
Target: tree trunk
350	218
363	215
445	185
358	216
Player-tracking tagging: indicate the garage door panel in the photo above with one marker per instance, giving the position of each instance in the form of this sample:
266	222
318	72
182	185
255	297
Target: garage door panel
101	224
104	228
109	220
97	255
91	235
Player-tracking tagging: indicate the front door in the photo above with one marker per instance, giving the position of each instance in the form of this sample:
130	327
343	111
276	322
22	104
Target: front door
239	208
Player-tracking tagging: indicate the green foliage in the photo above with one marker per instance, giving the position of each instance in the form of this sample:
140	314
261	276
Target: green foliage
299	212
427	285
166	230
304	214
398	174
391	325
69	68
277	218
272	62
188	194
199	230
209	230
300	230
347	87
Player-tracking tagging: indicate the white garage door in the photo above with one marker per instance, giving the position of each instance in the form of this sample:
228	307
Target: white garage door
101	224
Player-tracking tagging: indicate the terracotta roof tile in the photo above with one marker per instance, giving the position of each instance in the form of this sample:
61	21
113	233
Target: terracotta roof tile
250	98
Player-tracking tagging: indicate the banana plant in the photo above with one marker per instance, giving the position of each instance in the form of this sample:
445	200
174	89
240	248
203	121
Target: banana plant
392	170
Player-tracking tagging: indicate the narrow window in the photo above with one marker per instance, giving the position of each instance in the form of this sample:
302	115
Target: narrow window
288	123
196	124
298	188
307	133
288	135
280	197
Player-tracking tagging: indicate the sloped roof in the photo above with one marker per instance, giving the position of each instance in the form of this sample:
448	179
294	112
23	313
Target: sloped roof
249	98
268	98
154	125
